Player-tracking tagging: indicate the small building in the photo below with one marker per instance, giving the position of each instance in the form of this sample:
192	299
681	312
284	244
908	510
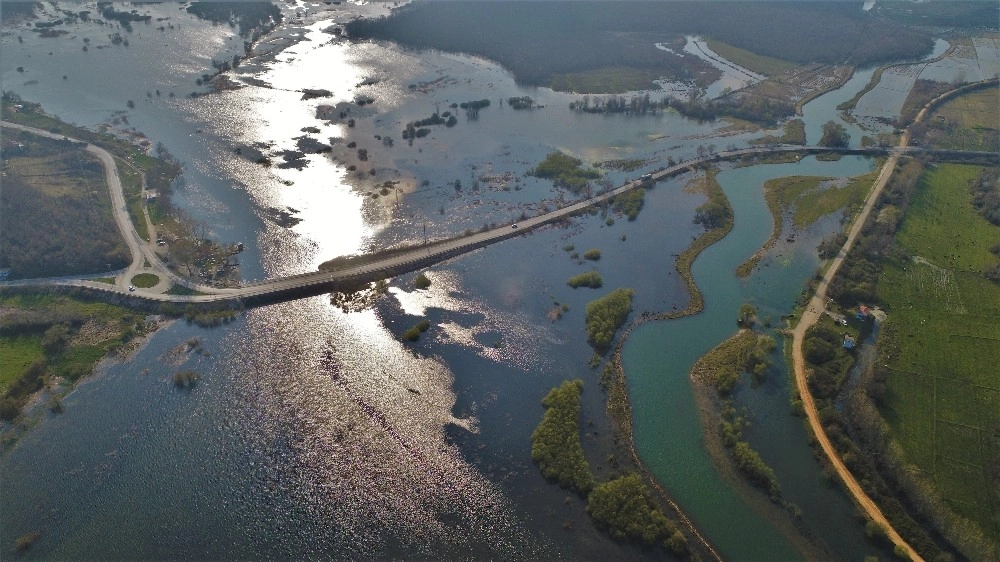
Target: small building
849	342
863	312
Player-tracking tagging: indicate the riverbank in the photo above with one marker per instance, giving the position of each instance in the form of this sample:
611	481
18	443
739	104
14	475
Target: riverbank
877	77
618	408
51	343
710	410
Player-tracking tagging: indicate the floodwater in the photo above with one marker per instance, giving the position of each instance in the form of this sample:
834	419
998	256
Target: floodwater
659	355
315	433
734	76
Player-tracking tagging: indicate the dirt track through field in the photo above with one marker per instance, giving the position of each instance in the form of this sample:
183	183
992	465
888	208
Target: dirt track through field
815	310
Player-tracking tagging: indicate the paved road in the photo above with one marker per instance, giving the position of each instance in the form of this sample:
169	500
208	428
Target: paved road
289	287
142	251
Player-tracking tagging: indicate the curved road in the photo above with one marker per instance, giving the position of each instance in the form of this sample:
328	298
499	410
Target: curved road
815	310
143	251
317	280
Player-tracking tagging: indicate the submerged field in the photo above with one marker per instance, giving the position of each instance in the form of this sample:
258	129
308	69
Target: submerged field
942	338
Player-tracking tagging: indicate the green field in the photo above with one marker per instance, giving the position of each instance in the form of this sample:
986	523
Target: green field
145	280
67	337
968	122
17	353
942	339
760	64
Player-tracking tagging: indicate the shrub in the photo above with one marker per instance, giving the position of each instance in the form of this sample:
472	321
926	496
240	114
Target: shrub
413	333
605	315
749	461
629	203
555	443
421	281
592	255
186	379
624	508
25	541
590	279
565	171
835	135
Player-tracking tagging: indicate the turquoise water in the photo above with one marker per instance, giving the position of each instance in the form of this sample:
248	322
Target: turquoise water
658	358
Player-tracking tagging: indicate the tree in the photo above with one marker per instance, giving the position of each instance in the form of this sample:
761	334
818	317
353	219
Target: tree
623	506
747	313
834	135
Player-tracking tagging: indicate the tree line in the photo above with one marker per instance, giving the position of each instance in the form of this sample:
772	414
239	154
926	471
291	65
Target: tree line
538	40
623	506
635	105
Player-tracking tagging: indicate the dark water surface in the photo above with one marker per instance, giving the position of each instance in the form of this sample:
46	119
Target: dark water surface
315	433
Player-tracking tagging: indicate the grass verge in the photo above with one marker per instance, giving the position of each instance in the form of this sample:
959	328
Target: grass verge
145	280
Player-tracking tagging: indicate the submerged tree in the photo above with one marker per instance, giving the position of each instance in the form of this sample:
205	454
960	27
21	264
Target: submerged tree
834	135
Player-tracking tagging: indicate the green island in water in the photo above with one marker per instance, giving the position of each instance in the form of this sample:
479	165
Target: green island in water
483	280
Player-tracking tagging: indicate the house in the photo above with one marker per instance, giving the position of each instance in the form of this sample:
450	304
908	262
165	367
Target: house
863	312
848	341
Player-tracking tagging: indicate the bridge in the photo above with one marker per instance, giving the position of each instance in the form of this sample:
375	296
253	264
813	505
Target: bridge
392	263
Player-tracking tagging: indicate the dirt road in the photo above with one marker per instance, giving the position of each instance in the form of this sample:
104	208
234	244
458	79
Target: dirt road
815	310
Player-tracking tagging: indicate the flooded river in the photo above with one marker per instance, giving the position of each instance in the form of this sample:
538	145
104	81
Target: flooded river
316	433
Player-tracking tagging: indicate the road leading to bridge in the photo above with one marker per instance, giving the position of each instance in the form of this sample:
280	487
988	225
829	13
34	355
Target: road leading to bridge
295	286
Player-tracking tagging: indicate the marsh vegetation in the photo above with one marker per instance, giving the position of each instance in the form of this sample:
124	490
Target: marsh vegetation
605	316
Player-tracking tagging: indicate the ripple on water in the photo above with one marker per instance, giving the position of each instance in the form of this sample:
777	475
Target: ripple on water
357	426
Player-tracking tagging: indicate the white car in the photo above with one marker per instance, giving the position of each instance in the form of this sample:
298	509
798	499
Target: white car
131	288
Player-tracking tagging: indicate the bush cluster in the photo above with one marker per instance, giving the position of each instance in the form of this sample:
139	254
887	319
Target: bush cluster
555	443
565	171
623	506
413	333
629	203
590	279
605	315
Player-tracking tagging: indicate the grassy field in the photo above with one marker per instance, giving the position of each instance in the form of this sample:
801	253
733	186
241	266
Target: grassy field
820	202
131	161
943	343
28	328
145	280
811	197
968	122
942	226
760	64
18	353
610	80
794	133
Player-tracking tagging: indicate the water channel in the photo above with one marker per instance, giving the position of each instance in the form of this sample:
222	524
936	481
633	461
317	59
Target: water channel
658	358
315	431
